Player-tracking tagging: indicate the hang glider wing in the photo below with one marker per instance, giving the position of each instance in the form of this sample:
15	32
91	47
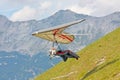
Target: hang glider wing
57	34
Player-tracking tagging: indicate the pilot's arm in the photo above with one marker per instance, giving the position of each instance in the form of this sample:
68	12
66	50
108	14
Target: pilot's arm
52	52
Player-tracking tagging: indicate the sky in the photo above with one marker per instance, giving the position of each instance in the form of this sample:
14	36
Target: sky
22	10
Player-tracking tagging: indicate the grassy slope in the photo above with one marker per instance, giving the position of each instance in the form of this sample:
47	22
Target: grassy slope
98	61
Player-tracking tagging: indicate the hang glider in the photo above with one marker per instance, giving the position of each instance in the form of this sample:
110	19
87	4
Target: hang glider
56	33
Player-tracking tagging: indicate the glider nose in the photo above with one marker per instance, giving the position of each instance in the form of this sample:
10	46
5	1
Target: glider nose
34	33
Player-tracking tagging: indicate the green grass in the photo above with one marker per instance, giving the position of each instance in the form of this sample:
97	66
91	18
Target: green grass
98	61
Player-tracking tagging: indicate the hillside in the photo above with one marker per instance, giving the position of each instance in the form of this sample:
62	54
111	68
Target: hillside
98	61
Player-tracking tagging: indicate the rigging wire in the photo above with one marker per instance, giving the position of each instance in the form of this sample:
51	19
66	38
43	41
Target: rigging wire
56	43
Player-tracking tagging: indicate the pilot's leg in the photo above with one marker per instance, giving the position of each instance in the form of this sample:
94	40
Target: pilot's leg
74	55
64	58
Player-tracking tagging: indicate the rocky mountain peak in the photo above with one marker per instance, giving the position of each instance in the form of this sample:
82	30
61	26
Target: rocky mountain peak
3	18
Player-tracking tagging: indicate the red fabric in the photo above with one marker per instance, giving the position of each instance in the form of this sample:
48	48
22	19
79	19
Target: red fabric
63	52
60	53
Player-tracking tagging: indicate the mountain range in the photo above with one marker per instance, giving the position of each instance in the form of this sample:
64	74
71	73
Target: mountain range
16	39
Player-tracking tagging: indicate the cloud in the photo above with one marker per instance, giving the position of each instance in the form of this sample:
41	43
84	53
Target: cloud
101	7
28	13
39	9
104	7
45	5
81	10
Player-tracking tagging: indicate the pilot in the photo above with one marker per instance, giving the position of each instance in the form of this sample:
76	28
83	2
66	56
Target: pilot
52	51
